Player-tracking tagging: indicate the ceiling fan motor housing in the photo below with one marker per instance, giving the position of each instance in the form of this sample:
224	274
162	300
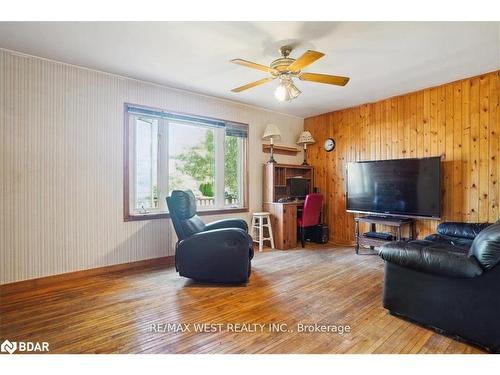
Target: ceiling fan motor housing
282	64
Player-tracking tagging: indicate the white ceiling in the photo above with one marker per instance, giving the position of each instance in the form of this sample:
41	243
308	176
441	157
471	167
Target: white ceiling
383	59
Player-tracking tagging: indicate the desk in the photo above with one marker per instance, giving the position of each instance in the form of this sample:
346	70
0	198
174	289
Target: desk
276	185
284	222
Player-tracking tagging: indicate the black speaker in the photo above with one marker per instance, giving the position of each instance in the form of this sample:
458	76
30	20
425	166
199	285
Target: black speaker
320	233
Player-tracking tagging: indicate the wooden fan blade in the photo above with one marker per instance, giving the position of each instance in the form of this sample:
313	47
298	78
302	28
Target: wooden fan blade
306	59
253	65
324	78
253	84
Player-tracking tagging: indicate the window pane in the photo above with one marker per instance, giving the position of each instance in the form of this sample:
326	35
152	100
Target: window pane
192	161
146	147
233	168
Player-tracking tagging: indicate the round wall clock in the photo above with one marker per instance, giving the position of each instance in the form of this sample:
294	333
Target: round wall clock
329	144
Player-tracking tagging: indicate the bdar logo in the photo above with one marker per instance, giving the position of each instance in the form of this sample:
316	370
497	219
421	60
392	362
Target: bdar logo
24	346
9	347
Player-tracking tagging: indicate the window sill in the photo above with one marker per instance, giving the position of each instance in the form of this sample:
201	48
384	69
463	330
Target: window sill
152	216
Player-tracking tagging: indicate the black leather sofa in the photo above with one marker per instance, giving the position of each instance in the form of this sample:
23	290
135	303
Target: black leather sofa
218	252
450	281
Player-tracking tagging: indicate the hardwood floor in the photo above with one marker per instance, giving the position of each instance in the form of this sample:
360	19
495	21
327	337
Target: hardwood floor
115	313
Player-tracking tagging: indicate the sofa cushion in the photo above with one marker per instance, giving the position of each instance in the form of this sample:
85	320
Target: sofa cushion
453	243
435	259
486	247
463	230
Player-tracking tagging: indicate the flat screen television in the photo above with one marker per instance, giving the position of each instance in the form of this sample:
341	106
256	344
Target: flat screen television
400	187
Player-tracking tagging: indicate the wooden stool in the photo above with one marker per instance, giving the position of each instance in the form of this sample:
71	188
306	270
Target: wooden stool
258	225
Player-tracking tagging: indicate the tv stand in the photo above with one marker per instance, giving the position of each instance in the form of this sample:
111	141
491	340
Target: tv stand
378	217
390	221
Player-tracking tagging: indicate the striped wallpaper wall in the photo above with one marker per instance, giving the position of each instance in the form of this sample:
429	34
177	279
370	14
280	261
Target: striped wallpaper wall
61	165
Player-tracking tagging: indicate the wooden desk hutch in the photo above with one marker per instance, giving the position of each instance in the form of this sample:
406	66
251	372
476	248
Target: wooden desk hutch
283	215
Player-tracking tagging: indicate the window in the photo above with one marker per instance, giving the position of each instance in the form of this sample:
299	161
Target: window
146	160
168	151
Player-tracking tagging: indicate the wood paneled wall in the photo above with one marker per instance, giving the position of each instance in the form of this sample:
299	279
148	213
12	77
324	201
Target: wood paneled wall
458	120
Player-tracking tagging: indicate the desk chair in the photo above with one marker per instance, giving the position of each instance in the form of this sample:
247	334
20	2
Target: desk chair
310	214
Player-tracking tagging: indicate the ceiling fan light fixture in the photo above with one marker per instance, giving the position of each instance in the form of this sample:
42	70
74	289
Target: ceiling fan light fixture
281	93
286	90
293	90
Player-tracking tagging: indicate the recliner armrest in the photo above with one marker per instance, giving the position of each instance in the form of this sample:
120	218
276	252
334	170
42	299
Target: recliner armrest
217	237
430	259
227	223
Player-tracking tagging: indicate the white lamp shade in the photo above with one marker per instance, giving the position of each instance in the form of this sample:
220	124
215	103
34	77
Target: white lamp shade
271	132
305	138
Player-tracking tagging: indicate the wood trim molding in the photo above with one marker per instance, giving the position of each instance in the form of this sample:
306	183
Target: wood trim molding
47	281
126	168
166	215
341	243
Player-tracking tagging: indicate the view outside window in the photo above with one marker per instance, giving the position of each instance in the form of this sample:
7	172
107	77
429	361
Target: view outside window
172	154
233	165
146	146
192	161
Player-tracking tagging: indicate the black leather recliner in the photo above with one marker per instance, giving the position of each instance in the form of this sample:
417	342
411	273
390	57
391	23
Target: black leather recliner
450	281
219	252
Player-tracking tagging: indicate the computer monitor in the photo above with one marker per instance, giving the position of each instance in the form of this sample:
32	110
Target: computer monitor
299	187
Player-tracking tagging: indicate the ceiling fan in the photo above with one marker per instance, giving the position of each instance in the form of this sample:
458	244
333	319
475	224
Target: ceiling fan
285	69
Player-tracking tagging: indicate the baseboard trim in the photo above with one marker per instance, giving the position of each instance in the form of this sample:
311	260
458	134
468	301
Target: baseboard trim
341	243
47	281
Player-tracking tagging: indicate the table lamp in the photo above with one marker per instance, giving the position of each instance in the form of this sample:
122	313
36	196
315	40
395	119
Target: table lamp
305	139
271	133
